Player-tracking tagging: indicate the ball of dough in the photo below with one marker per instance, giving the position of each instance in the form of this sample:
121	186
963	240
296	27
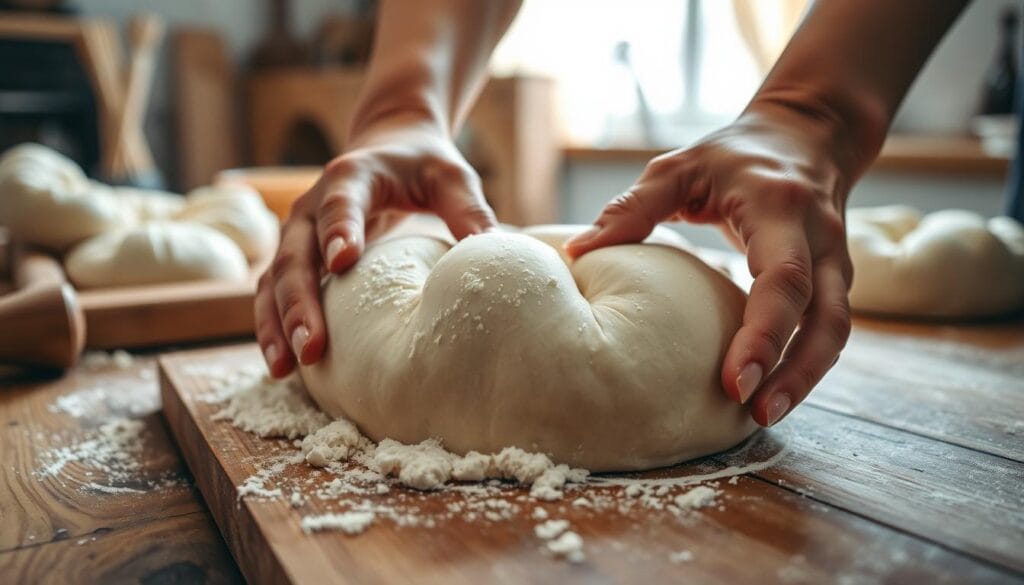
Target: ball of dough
148	204
46	199
610	362
155	252
949	264
239	213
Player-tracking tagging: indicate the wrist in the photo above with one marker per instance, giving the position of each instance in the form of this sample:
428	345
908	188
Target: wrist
851	130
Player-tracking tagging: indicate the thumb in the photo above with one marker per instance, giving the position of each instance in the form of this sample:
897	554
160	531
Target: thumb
463	208
628	218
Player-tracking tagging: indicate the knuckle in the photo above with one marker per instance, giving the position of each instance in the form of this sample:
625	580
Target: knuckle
838	323
792	279
439	169
832	227
661	164
282	263
774	339
290	308
343	166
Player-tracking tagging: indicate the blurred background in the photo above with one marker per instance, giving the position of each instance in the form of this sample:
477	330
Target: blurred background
177	94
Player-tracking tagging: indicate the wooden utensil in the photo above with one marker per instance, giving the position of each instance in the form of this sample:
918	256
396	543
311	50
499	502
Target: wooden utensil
43	324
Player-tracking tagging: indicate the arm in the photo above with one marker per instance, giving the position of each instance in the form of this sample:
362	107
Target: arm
429	62
776	182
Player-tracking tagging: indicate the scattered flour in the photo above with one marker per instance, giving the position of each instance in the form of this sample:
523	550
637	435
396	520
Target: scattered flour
678	557
109	457
353	478
349	522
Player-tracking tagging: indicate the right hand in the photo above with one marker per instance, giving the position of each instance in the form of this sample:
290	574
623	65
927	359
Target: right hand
396	166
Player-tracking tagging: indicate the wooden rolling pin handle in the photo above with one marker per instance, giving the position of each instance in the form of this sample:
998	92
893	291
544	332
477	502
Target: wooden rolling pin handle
41	323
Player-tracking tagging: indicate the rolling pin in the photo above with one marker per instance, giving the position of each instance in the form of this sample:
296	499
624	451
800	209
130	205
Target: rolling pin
41	322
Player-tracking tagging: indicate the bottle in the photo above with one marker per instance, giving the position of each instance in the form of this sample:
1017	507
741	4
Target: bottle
1001	77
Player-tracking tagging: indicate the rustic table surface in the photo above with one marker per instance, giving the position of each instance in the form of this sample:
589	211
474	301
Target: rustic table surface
906	465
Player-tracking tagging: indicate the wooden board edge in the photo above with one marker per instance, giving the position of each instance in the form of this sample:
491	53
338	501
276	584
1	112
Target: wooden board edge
214	484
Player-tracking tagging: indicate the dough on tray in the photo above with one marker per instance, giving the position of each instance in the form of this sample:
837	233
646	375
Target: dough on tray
46	199
236	211
948	264
155	252
610	362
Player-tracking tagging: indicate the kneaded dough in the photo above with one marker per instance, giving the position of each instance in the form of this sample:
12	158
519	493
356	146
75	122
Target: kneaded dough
608	363
236	211
155	252
46	199
947	264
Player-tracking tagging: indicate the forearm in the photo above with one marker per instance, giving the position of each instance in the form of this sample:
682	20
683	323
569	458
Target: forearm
850	64
430	60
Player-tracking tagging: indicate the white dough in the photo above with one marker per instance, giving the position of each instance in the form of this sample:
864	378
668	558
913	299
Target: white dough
46	199
155	252
239	213
610	362
949	264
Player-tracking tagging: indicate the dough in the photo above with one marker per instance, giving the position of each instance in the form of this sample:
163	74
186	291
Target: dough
155	252
147	204
608	363
949	264
46	199
239	213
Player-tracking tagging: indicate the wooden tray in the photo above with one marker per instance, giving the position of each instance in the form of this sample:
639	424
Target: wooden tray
143	316
851	499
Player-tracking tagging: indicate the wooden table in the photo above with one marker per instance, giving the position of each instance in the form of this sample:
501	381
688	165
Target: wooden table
906	465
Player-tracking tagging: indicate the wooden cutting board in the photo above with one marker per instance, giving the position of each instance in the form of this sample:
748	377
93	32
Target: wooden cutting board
849	498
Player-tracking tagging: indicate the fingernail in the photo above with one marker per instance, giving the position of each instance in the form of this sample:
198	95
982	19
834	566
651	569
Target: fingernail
748	380
334	248
778	406
299	338
270	354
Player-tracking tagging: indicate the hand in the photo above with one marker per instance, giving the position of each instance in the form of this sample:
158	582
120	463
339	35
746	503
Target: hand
773	182
394	167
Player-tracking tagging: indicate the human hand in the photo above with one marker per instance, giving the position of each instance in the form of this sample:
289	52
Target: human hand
774	183
394	167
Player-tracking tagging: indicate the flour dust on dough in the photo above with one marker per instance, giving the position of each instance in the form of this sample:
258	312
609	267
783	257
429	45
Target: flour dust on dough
947	264
609	363
155	252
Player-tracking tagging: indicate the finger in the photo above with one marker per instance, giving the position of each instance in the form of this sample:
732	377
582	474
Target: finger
459	201
780	262
296	286
269	335
341	216
815	347
659	194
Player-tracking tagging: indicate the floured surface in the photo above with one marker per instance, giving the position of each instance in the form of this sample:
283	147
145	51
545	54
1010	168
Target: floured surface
351	523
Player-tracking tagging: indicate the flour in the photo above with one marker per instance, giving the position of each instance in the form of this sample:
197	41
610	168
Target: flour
352	483
349	522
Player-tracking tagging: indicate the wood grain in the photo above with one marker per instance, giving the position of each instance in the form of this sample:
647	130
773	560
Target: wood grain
764	532
39	508
961	384
178	549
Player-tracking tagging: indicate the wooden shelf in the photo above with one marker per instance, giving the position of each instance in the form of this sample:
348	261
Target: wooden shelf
902	153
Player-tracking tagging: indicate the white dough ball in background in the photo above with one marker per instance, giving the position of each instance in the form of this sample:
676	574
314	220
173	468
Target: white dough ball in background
238	212
948	264
46	199
610	362
148	204
155	252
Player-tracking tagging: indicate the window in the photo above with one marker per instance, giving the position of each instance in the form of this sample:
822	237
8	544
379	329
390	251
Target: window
647	72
